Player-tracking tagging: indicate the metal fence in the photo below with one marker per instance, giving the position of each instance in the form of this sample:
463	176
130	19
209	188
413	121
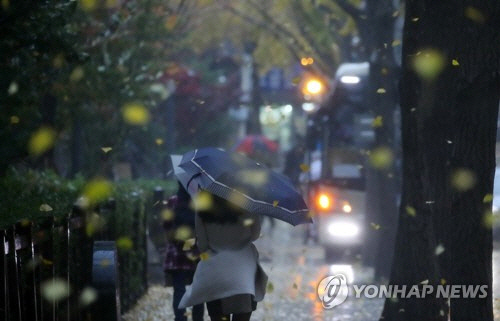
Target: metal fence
52	270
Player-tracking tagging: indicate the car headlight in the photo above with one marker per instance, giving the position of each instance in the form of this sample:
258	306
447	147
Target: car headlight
343	229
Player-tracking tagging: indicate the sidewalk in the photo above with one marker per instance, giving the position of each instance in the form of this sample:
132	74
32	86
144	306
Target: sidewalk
294	271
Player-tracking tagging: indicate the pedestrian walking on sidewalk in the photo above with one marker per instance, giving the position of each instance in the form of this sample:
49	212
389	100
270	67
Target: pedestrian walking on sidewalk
229	278
180	264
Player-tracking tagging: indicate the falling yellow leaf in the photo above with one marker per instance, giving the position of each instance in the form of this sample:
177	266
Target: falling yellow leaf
77	74
454	62
381	91
381	157
270	287
58	61
202	201
14	119
13	88
490	220
45	208
488	198
167	215
377	122
396	42
135	114
415	19
248	222
159	141
304	168
475	15
410	210
429	64
375	226
111	3
204	256
275	203
97	190
94	224
171	22
442	281
463	179
88	296
124	243
41	141
88	5
55	290
188	244
106	149
439	250
183	233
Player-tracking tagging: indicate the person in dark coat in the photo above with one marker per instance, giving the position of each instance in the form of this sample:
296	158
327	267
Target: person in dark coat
229	277
180	263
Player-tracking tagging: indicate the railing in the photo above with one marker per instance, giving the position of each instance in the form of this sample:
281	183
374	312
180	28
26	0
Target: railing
51	270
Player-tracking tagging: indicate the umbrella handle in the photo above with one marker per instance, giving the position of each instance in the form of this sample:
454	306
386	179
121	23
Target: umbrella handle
194	176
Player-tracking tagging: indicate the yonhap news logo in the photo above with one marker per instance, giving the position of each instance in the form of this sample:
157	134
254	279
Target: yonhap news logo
334	290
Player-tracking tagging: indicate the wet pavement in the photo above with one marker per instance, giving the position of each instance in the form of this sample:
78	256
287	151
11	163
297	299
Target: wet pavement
294	272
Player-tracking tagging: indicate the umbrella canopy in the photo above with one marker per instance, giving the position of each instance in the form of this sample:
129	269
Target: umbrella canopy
245	183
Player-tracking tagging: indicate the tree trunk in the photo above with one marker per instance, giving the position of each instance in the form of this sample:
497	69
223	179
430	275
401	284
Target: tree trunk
449	133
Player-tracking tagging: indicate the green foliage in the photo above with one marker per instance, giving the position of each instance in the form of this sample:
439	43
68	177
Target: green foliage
24	191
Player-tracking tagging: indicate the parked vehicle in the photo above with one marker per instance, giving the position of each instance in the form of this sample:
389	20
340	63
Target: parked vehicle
338	135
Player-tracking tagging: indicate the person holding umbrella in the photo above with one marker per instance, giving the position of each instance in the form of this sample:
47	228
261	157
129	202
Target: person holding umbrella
230	191
229	277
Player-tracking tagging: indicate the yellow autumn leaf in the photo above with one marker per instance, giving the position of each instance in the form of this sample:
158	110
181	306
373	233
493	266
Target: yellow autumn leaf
183	233
135	114
41	140
396	42
475	15
375	226
204	256
55	290
381	157
248	222
77	74
124	243
97	190
454	62
88	5
45	208
188	244
171	22
13	88
429	63
270	287
14	119
411	211
111	3
377	122
304	168
275	203
488	198
381	91
202	201
167	215
106	149
159	141
94	223
463	179
87	296
439	250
